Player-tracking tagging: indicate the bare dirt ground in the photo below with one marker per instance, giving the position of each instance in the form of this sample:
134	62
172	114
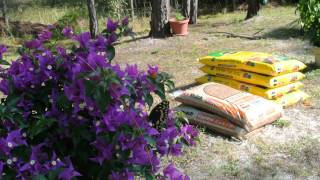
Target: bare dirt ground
287	149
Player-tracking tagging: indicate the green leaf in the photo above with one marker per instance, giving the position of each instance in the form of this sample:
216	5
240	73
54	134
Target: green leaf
39	177
4	62
103	99
22	152
90	87
160	91
151	80
148	176
53	175
111	53
41	124
148	99
12	100
150	140
170	85
64	103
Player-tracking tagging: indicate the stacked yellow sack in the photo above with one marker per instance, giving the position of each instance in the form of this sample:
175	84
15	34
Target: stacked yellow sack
273	77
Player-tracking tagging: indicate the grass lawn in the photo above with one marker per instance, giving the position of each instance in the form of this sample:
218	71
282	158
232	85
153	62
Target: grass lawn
288	149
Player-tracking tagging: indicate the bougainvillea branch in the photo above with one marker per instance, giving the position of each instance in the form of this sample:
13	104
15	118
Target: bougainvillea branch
70	113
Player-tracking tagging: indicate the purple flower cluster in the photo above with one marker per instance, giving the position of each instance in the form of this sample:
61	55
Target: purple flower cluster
76	109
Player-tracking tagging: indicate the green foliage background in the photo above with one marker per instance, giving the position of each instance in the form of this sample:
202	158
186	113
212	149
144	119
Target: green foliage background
310	19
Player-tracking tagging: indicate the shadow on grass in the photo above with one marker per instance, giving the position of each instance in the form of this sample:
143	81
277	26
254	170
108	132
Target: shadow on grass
216	134
183	87
311	67
131	40
284	33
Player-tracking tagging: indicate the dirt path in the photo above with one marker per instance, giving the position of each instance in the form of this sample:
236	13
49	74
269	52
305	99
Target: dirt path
287	150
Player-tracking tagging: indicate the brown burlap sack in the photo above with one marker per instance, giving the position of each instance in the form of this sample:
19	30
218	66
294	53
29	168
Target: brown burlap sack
244	109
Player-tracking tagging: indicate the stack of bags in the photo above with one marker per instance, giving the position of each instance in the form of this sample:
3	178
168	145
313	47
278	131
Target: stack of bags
227	110
270	76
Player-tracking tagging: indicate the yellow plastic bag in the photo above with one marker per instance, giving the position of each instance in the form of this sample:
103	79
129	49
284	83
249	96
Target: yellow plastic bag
262	63
254	78
292	98
259	91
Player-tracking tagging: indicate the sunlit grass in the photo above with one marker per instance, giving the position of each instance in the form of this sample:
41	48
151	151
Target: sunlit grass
37	14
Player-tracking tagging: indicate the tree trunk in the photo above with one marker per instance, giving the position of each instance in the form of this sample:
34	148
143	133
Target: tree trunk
174	4
225	7
193	12
4	14
160	27
234	5
253	8
185	6
92	18
132	9
144	8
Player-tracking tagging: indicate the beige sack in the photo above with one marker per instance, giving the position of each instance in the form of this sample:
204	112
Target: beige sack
244	109
212	121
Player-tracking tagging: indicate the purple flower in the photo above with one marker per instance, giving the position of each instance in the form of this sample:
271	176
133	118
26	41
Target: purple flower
125	141
1	166
34	165
68	32
33	44
151	131
99	45
132	71
4	86
4	147
116	116
13	139
189	133
61	51
176	149
168	135
173	174
117	70
47	66
26	105
96	61
3	49
112	25
112	38
83	39
152	70
125	175
105	151
75	92
142	155
125	21
54	162
139	155
51	27
69	172
45	35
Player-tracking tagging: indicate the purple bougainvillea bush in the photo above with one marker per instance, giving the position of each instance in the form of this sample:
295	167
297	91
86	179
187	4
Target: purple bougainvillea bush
70	113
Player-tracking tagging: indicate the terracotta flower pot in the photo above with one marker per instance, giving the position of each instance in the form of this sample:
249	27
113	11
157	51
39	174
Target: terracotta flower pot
179	28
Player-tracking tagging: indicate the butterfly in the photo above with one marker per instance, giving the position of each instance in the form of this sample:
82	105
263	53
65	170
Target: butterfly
159	115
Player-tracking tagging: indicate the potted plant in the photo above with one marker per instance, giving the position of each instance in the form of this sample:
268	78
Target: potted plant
310	22
179	25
